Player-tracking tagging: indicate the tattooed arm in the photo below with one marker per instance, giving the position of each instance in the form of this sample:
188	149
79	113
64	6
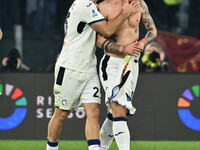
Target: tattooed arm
148	24
111	46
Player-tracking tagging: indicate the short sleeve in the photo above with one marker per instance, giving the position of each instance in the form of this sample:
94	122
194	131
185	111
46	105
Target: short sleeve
89	13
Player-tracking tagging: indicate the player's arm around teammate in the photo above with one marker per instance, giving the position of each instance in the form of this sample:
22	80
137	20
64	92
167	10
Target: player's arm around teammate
107	28
108	45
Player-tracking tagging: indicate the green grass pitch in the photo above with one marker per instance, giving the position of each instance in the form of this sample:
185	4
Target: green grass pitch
82	145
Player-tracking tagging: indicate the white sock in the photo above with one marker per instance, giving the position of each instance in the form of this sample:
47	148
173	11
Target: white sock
121	133
52	145
93	147
52	148
94	144
106	133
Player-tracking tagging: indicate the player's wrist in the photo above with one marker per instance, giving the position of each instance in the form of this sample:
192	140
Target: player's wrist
144	42
122	49
105	42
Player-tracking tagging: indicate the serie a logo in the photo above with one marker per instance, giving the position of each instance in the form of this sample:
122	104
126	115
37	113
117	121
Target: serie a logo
10	93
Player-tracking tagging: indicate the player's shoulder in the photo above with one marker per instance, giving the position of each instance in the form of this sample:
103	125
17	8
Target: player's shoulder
103	3
83	6
85	3
104	7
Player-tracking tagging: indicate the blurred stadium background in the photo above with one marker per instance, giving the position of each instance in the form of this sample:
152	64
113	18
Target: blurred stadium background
167	102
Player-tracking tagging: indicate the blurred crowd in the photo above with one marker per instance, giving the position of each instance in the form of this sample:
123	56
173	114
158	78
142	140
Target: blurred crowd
176	15
43	15
47	16
37	15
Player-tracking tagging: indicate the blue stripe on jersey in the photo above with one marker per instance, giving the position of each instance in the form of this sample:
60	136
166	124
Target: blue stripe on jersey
52	144
96	21
120	119
93	142
109	116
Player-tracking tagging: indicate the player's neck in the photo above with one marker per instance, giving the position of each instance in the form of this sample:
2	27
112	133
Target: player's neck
117	1
94	1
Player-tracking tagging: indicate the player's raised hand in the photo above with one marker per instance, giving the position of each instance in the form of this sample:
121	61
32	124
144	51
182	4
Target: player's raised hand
128	7
133	49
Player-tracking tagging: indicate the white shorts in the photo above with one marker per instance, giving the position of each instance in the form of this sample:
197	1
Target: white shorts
72	88
118	89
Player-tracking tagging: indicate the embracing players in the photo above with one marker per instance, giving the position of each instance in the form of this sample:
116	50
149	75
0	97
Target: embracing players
76	80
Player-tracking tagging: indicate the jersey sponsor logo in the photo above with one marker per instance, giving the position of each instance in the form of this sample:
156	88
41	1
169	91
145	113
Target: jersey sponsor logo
89	5
94	14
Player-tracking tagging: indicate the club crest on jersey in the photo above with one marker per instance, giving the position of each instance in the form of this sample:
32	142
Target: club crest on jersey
89	5
64	101
94	14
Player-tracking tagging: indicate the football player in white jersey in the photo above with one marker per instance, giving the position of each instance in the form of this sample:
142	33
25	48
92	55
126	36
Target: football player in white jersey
118	72
76	80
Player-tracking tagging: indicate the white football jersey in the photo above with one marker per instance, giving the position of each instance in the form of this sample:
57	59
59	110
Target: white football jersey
78	51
